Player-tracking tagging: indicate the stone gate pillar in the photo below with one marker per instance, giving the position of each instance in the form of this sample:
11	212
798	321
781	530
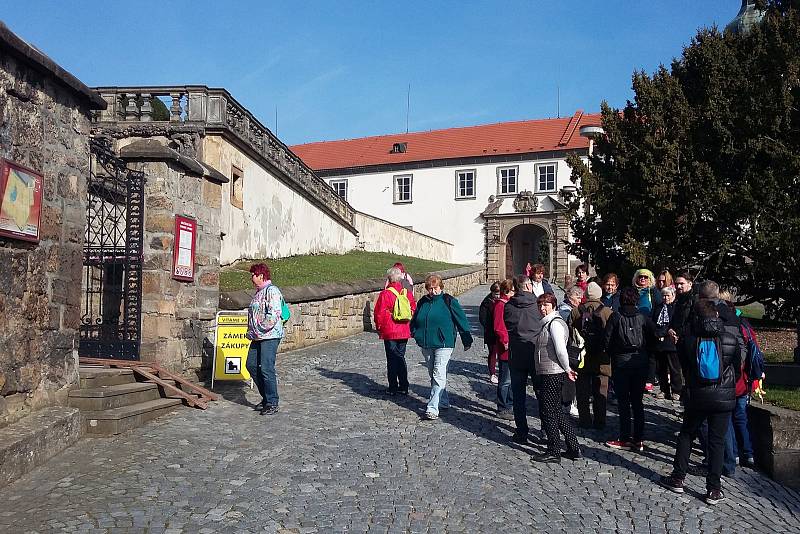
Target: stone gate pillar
559	235
495	260
177	316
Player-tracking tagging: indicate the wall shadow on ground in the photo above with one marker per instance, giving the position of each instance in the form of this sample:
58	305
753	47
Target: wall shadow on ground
480	420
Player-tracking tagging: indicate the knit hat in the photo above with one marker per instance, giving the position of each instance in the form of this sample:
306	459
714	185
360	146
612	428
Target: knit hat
594	291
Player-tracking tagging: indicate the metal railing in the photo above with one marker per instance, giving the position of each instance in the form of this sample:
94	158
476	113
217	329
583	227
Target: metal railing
216	109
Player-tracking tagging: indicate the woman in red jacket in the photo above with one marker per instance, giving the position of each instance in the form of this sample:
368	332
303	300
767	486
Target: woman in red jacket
504	397
394	333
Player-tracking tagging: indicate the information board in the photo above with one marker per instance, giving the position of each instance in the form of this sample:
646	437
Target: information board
230	347
183	248
20	201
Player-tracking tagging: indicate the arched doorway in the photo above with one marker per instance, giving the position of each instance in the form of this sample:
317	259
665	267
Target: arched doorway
527	243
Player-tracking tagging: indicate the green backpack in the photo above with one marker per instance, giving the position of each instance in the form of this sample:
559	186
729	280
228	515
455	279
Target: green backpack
286	313
401	311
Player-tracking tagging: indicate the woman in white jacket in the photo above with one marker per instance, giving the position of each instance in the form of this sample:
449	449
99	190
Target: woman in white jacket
552	365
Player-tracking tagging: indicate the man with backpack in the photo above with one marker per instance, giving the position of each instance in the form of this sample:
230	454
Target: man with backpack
752	372
393	311
523	323
627	335
711	364
486	319
589	321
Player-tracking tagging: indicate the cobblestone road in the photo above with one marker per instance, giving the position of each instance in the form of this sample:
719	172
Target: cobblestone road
342	457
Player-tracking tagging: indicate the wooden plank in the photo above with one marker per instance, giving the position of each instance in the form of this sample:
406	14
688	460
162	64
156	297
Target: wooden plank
203	392
150	370
191	399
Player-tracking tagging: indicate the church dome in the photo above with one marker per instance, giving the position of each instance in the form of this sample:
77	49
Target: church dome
748	16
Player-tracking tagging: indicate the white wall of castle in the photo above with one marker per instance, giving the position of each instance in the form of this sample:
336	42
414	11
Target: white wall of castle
378	235
275	221
434	209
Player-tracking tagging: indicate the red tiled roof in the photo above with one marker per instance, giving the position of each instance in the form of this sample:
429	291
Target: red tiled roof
520	137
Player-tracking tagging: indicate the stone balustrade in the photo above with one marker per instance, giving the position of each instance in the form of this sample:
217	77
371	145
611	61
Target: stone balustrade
217	111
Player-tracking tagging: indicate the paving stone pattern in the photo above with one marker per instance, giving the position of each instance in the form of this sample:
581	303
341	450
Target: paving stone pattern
342	457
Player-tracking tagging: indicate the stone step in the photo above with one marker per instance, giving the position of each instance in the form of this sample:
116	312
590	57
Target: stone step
110	397
32	440
117	420
95	376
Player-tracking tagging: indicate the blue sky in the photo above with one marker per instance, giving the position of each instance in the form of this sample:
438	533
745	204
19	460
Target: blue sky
340	69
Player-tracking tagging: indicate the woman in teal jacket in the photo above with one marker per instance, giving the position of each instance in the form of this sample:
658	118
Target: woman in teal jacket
439	317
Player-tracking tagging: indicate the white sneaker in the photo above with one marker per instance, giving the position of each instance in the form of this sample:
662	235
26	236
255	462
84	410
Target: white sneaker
493	379
431	416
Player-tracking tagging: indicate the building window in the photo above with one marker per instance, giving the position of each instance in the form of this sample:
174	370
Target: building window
237	187
340	188
546	177
507	183
402	189
465	184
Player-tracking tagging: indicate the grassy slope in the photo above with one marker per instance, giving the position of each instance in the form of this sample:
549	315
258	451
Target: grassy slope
304	270
784	396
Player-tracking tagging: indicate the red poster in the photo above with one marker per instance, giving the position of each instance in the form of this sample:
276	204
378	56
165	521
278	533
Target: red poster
183	248
20	201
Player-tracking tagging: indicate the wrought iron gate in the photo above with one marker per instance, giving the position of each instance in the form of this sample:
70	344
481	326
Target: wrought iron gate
111	307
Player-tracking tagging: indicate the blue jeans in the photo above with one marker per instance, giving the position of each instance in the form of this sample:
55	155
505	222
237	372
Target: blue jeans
437	369
261	366
505	397
742	444
396	370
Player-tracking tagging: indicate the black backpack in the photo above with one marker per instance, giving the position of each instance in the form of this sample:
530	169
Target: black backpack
591	329
629	332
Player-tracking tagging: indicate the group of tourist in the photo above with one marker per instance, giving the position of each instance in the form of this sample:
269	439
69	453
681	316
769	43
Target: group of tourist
688	340
599	339
434	322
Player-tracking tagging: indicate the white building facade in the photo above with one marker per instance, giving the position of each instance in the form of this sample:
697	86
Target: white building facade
492	191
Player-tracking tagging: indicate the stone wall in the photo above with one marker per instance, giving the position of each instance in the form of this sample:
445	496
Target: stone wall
377	235
275	220
177	316
44	125
775	433
325	312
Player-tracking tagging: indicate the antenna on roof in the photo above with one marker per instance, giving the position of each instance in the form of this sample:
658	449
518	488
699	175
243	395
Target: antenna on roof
558	101
276	121
408	104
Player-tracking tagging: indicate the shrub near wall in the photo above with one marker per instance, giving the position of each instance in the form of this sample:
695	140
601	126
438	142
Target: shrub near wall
325	312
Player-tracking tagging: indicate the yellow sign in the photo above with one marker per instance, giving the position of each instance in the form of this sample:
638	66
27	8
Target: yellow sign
230	347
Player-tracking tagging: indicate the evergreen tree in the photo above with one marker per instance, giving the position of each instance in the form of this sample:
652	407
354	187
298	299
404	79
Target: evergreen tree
701	170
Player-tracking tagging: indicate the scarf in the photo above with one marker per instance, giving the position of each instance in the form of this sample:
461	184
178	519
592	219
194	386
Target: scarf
663	316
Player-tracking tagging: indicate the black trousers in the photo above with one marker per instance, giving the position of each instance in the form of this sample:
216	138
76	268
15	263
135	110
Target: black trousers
519	386
396	370
629	387
592	390
670	375
717	428
554	419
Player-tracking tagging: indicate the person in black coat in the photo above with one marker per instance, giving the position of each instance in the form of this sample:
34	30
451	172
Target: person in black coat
485	317
711	401
670	376
628	334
